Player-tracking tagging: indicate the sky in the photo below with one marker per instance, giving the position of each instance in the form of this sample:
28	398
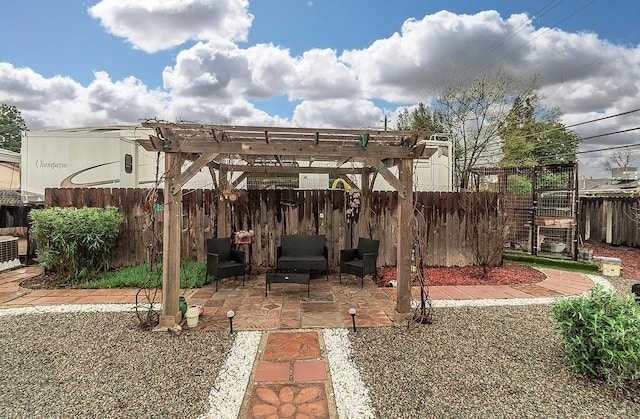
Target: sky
318	63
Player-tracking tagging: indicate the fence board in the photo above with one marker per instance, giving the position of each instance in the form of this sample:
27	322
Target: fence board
272	213
612	220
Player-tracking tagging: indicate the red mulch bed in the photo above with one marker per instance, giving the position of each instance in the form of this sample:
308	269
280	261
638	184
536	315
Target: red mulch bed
511	274
508	274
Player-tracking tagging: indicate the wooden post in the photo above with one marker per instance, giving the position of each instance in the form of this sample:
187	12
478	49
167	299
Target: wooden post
405	241
608	213
365	204
224	223
171	314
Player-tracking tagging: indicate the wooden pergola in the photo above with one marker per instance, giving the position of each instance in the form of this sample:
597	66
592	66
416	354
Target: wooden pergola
251	149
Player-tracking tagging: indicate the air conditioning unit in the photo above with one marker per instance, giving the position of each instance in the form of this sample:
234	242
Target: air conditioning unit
9	253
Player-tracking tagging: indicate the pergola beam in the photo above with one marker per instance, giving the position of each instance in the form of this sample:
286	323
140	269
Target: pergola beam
389	177
290	148
348	181
259	131
338	171
184	177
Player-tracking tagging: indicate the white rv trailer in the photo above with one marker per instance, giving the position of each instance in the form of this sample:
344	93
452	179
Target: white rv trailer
105	156
109	156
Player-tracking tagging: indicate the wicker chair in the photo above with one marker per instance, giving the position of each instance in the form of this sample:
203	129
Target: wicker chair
361	261
223	261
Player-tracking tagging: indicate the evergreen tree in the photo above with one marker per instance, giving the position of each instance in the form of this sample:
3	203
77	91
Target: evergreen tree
11	126
420	118
532	135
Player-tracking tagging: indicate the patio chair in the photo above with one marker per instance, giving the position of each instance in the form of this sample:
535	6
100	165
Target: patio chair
361	261
635	289
223	261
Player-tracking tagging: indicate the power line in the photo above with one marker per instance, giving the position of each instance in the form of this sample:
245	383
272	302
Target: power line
555	155
541	12
497	147
609	148
583	123
611	133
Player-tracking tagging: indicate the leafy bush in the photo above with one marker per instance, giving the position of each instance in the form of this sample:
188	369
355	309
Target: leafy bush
600	333
75	243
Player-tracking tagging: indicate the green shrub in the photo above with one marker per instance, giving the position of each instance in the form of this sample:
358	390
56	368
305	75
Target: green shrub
75	243
600	333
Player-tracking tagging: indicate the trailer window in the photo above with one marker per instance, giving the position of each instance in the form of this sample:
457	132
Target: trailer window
128	163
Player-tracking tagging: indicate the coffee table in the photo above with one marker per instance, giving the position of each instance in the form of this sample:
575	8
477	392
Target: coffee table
284	277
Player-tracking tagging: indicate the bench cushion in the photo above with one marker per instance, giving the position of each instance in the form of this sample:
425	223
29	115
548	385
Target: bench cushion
311	263
302	245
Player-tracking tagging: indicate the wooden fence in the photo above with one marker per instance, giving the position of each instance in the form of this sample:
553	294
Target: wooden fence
272	213
612	220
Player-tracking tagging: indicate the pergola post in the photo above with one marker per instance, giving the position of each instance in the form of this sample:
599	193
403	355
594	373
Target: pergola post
172	226
405	240
365	204
222	218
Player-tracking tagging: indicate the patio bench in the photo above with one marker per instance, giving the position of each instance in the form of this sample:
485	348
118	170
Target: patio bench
301	252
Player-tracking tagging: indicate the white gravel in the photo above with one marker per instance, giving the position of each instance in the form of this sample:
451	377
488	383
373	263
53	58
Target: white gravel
486	359
597	279
72	308
350	393
225	399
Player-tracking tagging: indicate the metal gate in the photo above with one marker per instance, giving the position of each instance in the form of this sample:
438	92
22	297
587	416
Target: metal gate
541	205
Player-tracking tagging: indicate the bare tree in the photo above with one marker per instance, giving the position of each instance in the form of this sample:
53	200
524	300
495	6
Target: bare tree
473	114
486	225
619	160
423	313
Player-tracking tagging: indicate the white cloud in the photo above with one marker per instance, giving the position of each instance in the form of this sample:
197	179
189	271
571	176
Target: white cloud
578	71
222	69
217	80
216	70
439	50
154	25
236	111
60	102
337	113
29	91
124	101
272	69
320	75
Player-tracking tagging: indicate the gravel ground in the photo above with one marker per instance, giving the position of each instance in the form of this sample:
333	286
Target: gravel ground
472	362
103	365
481	362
